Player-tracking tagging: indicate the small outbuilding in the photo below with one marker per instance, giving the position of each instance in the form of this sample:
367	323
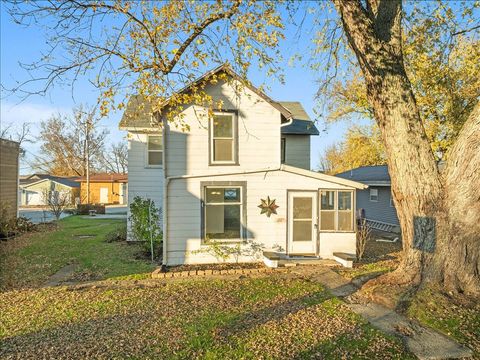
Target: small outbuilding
105	189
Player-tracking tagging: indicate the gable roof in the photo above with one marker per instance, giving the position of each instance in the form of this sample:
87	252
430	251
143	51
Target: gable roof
301	123
371	175
69	182
138	112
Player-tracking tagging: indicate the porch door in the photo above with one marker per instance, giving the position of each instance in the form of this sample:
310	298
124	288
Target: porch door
302	223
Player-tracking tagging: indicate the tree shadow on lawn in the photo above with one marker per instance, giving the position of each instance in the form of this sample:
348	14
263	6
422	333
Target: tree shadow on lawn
242	326
107	337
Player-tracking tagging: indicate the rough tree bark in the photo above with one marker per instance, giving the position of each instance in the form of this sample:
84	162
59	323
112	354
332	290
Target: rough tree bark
439	213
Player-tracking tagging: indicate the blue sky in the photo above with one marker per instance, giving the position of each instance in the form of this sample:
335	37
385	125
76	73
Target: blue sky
21	44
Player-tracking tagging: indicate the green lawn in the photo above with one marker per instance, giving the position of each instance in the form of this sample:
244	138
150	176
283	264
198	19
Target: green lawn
277	316
32	258
452	316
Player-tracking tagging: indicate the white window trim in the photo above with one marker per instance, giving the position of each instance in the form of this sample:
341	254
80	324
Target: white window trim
233	138
336	211
370	195
147	151
391	201
241	239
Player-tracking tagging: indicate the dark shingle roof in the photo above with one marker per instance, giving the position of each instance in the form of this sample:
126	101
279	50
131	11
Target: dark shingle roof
369	175
300	127
301	124
296	108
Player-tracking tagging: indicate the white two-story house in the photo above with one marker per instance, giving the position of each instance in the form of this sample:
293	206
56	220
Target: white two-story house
237	178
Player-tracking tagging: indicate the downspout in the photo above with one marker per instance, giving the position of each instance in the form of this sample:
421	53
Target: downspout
166	181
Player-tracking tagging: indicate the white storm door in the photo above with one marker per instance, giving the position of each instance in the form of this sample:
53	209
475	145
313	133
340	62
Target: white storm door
103	195
302	223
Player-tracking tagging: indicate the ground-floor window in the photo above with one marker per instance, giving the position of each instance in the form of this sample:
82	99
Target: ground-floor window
336	210
223	213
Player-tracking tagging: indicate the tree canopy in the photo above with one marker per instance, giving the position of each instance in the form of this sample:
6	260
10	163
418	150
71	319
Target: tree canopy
441	48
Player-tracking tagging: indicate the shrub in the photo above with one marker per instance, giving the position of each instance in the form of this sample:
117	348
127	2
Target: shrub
223	251
119	234
145	220
11	226
363	234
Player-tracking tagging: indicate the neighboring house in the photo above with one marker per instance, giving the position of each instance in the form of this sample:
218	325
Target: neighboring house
217	182
105	189
9	157
34	189
376	201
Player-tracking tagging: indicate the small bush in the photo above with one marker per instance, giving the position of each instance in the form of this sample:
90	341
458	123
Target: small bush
11	226
145	219
363	235
24	225
119	234
83	209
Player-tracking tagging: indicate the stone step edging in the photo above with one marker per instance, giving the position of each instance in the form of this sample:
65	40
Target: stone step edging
158	274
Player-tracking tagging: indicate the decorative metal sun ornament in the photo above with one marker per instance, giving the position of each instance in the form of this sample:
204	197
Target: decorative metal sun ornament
268	206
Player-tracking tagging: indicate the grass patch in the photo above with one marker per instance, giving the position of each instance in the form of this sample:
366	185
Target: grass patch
454	317
32	258
362	269
191	319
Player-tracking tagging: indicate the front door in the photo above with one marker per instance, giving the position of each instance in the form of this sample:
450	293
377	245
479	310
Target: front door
103	195
302	223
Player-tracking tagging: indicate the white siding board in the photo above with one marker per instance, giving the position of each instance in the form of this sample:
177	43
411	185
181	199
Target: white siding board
142	181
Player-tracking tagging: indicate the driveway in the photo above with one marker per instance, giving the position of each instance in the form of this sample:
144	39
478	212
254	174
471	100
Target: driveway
39	215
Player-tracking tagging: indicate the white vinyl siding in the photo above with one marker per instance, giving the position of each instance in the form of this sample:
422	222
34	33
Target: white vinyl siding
189	152
143	181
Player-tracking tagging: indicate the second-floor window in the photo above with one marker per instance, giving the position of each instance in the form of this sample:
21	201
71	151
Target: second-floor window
283	149
154	150
223	139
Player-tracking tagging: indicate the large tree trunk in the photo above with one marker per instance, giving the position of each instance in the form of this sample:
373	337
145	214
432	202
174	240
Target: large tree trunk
439	215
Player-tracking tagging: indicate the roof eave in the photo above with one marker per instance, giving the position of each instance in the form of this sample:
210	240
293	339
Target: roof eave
325	177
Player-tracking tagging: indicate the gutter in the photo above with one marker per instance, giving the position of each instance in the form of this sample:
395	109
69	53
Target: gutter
289	122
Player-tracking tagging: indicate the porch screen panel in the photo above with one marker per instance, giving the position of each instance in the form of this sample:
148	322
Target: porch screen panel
345	213
302	219
327	210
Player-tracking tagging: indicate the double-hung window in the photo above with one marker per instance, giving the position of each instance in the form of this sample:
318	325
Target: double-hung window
374	195
223	139
336	210
154	151
223	213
